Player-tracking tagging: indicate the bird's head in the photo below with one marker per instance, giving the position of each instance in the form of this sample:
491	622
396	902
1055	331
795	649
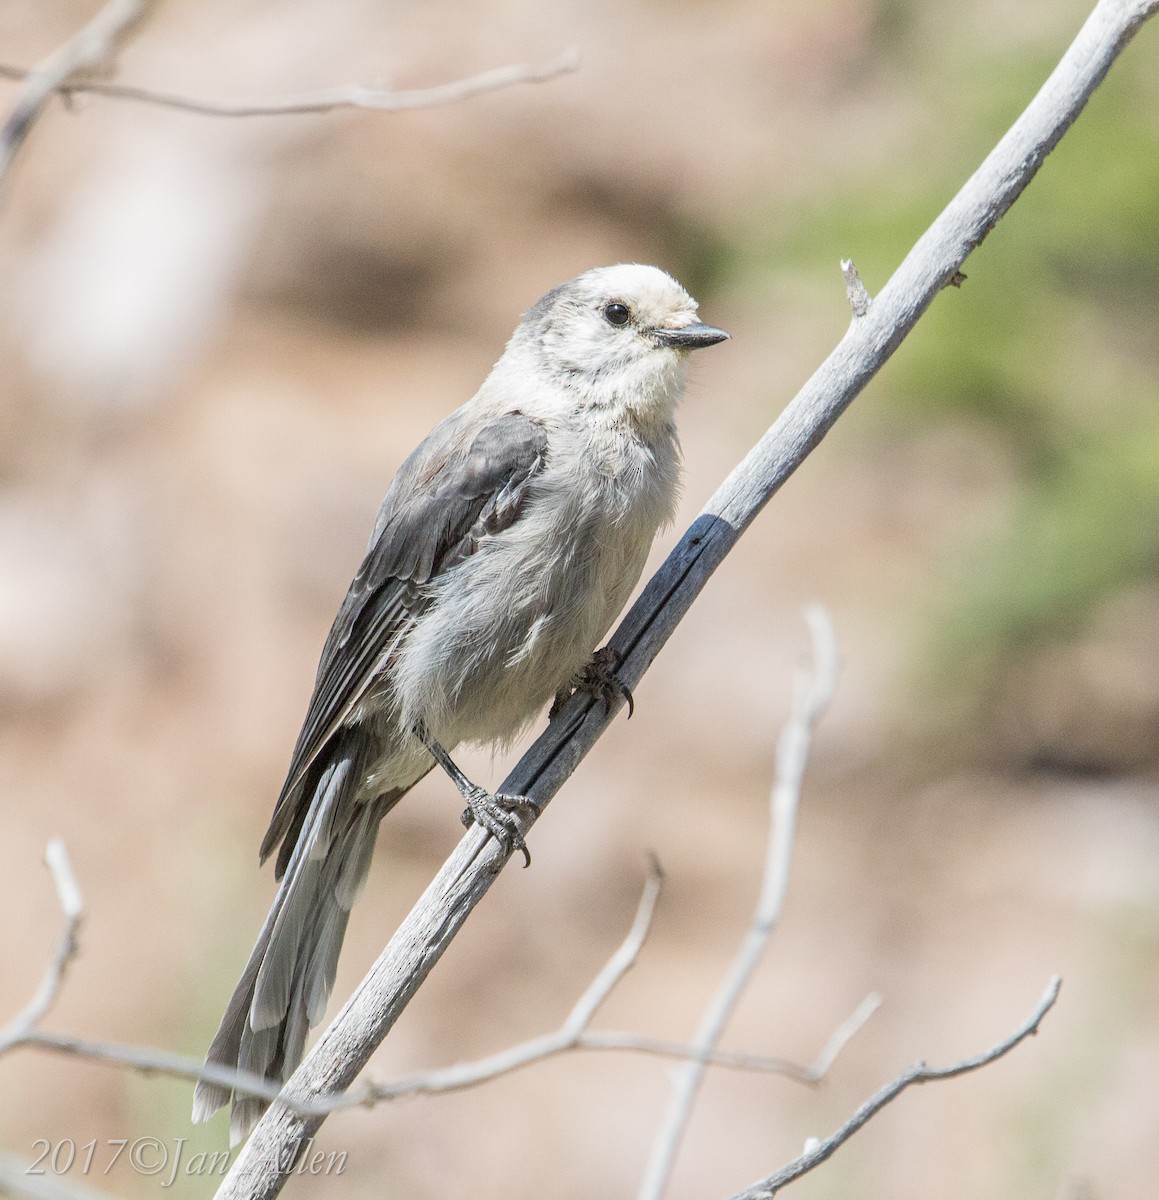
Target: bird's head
618	335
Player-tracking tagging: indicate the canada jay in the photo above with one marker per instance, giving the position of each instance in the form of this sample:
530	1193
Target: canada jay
506	545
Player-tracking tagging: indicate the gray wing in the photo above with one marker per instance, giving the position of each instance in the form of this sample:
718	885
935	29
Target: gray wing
463	482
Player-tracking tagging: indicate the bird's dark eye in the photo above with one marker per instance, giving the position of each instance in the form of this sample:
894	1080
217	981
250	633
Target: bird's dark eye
617	313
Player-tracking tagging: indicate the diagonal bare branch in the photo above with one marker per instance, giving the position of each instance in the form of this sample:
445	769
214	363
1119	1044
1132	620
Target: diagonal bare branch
344	1048
817	1152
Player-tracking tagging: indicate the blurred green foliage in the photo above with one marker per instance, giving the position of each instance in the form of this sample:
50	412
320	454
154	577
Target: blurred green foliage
1052	344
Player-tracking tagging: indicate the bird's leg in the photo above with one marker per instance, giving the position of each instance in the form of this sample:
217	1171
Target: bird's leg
494	811
598	678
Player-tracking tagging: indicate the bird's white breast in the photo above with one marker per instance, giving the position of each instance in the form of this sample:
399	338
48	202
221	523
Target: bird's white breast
475	670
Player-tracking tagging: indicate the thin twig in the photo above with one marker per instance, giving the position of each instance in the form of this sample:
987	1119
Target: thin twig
151	1062
842	1036
812	696
568	1037
72	906
344	1048
817	1152
461	1075
624	958
443	1079
89	47
365	96
573	1035
15	1179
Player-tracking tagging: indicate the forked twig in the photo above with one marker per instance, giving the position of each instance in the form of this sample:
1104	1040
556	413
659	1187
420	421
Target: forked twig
817	1152
573	1034
812	695
89	47
72	906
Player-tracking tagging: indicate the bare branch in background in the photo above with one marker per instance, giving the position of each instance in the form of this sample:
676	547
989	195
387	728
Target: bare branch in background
15	1179
812	695
72	906
574	1034
344	1048
89	48
817	1152
367	96
843	1034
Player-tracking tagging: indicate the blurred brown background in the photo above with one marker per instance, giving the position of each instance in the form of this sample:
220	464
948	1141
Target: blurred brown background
218	340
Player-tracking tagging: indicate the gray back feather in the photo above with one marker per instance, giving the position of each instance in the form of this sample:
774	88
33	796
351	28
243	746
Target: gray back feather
463	482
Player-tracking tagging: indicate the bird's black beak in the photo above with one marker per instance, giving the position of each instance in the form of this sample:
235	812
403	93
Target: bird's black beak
691	337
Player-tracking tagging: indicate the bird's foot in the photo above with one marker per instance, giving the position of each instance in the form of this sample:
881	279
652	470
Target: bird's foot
496	813
599	679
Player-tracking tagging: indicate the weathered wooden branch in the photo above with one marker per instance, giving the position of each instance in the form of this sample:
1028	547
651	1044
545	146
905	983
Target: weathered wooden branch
935	261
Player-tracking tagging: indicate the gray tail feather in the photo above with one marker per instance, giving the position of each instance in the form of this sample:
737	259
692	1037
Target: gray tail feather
287	981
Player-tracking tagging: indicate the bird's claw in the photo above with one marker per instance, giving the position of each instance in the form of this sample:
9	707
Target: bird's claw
495	812
599	679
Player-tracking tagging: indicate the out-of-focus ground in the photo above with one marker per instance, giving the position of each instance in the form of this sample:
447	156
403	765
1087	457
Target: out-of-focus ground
218	339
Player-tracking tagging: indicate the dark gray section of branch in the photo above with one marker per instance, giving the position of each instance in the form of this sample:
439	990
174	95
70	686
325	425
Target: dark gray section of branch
342	1051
